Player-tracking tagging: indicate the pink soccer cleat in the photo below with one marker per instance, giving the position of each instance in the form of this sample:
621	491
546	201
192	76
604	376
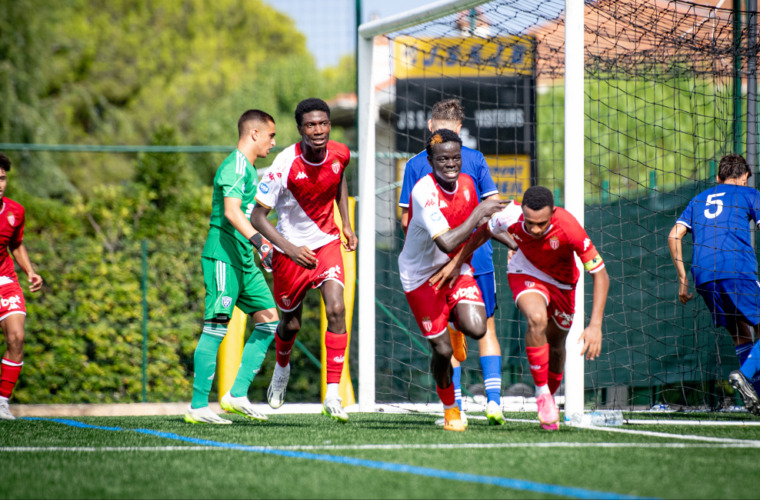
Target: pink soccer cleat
548	414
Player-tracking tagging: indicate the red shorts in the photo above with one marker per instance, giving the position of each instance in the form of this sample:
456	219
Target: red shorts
560	303
432	308
11	300
291	281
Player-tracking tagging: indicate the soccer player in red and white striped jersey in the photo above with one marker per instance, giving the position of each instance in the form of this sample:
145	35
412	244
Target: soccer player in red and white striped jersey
12	304
302	184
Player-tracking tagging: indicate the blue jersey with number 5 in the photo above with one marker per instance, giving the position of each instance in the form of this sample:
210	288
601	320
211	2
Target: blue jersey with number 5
718	219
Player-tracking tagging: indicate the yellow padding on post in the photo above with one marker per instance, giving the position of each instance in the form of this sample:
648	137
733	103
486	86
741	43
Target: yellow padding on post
230	352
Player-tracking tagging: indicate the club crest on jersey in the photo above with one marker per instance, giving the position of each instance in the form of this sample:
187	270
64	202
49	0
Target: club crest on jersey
467	194
226	301
554	242
530	284
286	300
427	324
335	167
12	220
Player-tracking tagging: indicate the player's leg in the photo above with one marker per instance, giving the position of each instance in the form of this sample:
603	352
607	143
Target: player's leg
490	352
12	361
285	337
440	367
222	285
335	347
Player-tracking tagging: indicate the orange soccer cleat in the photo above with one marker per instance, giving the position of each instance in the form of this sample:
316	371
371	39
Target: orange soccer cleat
452	420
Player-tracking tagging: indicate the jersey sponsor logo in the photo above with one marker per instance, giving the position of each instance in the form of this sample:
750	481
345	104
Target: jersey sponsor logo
301	175
554	242
226	301
10	303
12	220
467	194
565	319
427	324
264	187
586	244
335	166
470	293
286	300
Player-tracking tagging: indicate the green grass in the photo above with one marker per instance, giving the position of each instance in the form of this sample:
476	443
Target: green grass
614	463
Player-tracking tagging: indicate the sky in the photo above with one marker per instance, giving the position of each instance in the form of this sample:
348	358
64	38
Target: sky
330	26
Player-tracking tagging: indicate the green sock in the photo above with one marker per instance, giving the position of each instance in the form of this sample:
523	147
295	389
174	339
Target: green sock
254	352
204	360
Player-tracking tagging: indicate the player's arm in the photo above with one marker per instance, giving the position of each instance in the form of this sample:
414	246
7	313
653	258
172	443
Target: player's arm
592	334
404	218
22	259
676	253
450	271
233	212
342	200
449	240
302	255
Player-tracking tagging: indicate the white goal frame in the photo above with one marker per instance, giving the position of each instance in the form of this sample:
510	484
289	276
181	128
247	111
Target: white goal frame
368	112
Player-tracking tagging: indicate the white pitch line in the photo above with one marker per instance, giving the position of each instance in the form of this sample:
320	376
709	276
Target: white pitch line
369	447
687	437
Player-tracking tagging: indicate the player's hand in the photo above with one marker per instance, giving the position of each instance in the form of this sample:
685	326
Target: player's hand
351	239
489	207
683	291
35	282
304	257
449	272
592	342
510	254
264	248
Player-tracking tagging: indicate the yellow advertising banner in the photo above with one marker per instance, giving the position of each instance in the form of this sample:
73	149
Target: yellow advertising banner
463	56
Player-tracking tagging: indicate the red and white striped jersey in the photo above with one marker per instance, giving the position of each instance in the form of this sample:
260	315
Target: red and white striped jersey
303	194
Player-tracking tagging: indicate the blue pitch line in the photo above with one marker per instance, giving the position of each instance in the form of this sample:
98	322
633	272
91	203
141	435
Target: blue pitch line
515	484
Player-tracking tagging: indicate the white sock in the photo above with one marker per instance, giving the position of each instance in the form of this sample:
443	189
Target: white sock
332	392
280	370
544	389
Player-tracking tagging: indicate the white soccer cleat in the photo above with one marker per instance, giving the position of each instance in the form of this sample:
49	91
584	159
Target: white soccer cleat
5	410
278	385
494	414
204	416
241	406
334	409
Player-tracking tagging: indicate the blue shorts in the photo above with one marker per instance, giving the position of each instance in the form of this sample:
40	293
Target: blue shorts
487	284
729	300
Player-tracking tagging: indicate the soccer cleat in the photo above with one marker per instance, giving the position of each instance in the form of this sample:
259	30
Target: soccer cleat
241	406
548	414
452	420
494	414
459	344
5	410
739	382
333	409
204	416
277	387
462	414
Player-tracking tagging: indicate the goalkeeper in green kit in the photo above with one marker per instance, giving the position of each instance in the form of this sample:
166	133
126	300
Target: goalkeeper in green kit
231	277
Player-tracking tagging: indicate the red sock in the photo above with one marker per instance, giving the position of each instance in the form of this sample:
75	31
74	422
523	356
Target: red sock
538	359
283	349
448	398
554	380
335	345
9	372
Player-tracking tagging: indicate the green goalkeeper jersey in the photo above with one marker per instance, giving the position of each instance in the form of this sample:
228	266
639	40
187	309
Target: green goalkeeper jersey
235	178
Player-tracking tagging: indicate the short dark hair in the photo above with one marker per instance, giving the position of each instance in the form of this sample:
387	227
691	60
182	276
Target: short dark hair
450	110
439	137
309	105
733	166
252	115
538	197
5	163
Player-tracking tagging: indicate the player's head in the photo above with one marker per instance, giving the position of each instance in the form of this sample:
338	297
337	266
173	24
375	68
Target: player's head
444	149
5	166
313	120
448	114
734	166
5	163
538	207
256	131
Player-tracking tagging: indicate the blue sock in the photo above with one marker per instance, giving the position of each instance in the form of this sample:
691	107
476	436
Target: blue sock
751	365
456	379
491	366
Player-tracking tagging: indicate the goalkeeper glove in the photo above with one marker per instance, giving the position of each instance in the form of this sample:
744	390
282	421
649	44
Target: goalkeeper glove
264	247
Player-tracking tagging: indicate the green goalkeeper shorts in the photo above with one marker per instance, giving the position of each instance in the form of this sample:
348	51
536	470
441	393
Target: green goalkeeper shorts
228	286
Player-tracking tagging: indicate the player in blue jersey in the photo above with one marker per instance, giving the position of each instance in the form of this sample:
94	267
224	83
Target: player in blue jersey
724	265
449	114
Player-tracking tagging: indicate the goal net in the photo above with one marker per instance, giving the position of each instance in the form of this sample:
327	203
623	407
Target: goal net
663	101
